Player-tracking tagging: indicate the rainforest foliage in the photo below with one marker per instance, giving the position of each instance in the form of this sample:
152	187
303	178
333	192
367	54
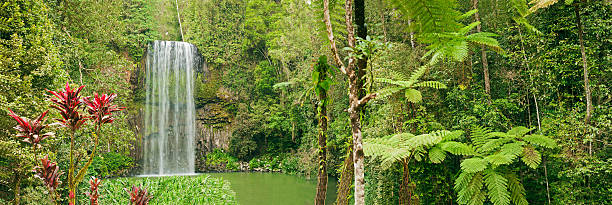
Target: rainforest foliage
478	101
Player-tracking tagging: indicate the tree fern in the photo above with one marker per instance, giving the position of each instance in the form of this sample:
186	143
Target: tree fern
497	186
499	159
474	164
540	141
408	85
400	147
517	191
469	188
531	157
457	148
436	155
494	152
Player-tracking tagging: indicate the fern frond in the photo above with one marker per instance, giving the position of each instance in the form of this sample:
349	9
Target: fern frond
499	159
480	135
388	91
531	157
389	149
429	15
395	75
485	39
512	149
469	187
430	84
468	14
498	187
413	96
436	155
493	144
474	164
541	140
449	136
519	131
468	28
457	148
402	83
423	140
416	75
418	153
517	191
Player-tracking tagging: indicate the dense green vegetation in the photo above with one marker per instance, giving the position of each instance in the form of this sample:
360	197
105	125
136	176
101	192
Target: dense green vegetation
513	67
201	189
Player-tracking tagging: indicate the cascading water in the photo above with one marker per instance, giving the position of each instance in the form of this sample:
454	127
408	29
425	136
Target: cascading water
170	110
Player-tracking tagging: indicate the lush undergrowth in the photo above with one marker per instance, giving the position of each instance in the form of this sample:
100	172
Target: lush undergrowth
202	189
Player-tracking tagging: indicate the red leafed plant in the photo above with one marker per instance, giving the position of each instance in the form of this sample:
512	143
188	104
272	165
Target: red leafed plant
138	196
50	174
68	102
93	194
31	130
100	108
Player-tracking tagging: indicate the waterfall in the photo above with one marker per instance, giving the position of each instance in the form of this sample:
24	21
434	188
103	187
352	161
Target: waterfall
169	132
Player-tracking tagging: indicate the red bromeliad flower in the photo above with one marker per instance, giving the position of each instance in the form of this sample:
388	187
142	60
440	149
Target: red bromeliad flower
138	196
68	102
93	191
100	108
49	173
31	129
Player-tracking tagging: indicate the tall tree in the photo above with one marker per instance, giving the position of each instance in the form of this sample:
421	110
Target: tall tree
322	81
585	69
356	102
485	63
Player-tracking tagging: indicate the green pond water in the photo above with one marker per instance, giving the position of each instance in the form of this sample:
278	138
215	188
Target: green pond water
275	188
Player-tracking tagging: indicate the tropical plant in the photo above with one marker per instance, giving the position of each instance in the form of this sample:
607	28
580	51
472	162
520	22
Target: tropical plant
50	174
408	85
68	101
31	130
404	147
138	195
489	165
93	194
100	109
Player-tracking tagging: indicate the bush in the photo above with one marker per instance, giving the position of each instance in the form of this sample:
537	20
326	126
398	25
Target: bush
111	164
290	165
220	158
241	144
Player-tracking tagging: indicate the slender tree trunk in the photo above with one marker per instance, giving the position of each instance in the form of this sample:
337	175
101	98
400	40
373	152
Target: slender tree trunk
346	179
17	187
322	175
178	14
405	192
356	102
585	70
358	92
485	63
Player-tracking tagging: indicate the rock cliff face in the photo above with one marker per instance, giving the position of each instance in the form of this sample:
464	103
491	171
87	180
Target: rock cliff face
214	130
213	121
